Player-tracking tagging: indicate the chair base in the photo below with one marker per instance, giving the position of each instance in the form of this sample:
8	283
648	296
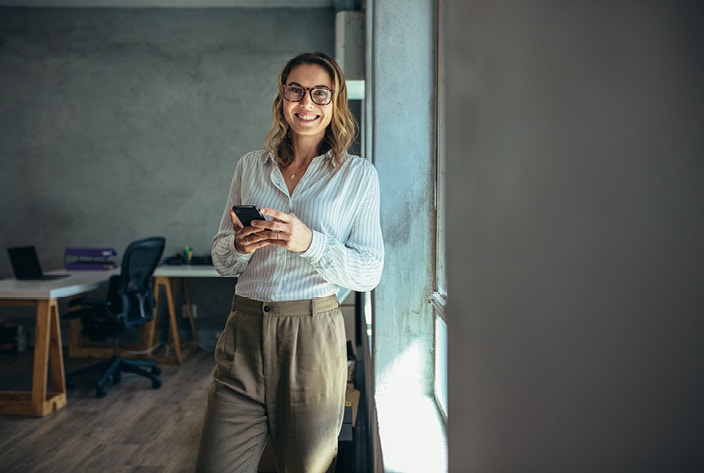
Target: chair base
113	368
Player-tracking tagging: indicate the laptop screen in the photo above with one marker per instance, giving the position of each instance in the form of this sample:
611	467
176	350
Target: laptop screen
25	262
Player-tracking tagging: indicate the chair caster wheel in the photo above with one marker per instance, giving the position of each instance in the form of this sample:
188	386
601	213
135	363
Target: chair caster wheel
100	391
156	371
156	384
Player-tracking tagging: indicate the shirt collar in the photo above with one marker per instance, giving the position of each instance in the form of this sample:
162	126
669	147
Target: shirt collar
327	156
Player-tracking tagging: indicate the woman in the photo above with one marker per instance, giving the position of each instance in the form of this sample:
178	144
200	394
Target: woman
281	362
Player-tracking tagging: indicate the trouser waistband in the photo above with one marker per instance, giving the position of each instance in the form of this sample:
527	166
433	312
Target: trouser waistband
285	308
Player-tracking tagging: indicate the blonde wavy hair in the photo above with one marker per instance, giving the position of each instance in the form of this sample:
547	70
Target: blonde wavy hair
342	129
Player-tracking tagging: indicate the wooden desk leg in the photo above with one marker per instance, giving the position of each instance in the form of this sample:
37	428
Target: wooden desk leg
159	283
191	318
57	373
152	334
47	351
149	335
74	342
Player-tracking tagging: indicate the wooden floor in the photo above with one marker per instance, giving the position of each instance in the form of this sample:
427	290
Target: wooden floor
134	429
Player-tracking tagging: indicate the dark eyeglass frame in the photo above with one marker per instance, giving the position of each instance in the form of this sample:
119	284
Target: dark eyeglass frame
285	90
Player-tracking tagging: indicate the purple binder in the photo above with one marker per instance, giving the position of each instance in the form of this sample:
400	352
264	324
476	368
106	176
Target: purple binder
89	258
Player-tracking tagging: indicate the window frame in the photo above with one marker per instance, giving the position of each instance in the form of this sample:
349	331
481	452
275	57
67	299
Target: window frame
438	299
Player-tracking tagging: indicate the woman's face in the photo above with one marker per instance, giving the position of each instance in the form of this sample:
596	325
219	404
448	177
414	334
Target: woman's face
305	117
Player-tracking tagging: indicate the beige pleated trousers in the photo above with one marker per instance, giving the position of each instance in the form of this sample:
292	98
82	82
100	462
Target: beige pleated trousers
281	372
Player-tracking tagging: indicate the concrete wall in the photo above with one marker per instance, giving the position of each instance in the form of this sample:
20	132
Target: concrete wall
401	139
403	149
576	249
121	123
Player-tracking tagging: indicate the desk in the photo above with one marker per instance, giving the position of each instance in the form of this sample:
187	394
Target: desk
48	357
162	278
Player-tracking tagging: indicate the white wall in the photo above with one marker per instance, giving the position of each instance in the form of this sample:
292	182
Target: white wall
576	252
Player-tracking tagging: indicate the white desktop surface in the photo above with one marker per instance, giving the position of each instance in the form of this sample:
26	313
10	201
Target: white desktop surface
77	282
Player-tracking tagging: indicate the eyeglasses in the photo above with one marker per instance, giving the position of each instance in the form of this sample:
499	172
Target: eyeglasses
319	95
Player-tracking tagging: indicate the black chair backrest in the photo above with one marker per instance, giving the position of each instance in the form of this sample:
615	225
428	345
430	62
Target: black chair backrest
134	289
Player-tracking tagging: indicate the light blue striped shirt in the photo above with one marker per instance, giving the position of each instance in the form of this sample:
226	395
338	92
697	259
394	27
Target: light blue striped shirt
340	204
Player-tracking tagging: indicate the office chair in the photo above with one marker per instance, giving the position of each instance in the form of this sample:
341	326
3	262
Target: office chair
129	304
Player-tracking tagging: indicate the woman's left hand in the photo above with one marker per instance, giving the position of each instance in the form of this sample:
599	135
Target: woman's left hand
285	230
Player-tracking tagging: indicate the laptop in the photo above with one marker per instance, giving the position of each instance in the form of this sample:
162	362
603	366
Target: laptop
25	265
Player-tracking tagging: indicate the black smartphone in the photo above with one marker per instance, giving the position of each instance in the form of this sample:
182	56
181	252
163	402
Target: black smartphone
247	213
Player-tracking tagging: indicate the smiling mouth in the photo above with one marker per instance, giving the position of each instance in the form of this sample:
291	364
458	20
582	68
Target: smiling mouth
306	118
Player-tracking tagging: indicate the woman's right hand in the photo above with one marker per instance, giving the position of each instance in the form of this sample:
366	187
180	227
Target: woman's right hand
247	239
